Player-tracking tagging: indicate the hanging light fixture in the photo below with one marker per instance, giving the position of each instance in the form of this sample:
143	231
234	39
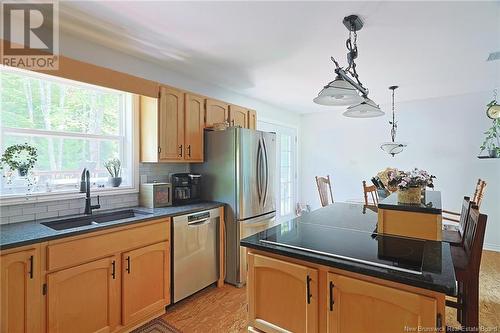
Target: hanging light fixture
347	89
393	147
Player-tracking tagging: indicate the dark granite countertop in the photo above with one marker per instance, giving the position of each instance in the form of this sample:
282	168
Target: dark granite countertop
24	233
431	203
343	236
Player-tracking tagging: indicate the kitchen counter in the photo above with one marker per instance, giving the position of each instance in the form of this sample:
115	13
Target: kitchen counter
24	233
430	204
344	236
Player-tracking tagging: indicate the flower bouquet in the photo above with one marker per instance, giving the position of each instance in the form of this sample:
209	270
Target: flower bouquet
410	184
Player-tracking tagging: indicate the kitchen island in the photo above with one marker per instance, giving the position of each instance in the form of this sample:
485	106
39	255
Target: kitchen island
330	271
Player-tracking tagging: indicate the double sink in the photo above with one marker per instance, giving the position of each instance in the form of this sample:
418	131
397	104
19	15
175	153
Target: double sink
85	220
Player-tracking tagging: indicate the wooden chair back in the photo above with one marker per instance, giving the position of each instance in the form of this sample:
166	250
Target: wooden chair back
473	238
479	192
372	190
324	187
464	215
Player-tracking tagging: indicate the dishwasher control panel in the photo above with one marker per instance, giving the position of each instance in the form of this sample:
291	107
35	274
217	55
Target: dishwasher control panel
197	217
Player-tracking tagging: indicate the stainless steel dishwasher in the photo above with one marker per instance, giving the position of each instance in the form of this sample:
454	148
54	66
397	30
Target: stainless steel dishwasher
195	257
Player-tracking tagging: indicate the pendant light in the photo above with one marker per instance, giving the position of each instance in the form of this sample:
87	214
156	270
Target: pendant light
393	147
346	88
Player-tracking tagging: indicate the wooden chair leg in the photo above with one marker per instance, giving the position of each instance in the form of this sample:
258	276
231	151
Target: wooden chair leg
460	301
472	305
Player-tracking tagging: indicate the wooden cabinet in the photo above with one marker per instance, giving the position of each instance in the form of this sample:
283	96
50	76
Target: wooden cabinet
215	112
21	291
238	116
194	124
84	298
362	306
252	119
410	224
282	296
171	125
146	281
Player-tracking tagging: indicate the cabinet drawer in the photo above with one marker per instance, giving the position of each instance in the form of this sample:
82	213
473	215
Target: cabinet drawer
74	252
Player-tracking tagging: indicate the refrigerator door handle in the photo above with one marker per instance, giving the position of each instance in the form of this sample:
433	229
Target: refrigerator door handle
266	171
258	175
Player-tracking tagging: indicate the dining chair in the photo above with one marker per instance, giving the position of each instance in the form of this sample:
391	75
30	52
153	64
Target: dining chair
467	261
372	189
454	235
324	187
478	198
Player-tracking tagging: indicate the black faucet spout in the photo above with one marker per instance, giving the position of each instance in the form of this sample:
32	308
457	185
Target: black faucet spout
88	200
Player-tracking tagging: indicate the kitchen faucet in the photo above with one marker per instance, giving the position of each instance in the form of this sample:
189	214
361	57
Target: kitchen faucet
85	187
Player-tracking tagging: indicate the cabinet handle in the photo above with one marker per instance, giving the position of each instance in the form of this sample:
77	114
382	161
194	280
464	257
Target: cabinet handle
308	289
30	273
128	265
188	151
113	269
331	296
180	150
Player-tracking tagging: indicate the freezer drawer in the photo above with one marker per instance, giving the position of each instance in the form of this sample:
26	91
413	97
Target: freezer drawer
195	252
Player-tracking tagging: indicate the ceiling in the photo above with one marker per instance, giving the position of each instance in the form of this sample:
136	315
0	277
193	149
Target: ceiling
279	52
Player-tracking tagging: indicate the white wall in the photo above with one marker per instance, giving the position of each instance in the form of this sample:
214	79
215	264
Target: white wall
99	55
443	137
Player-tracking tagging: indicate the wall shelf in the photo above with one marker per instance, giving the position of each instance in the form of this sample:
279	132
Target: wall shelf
487	157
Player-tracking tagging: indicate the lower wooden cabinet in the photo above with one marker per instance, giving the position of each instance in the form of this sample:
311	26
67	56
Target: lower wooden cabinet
360	306
84	298
282	296
20	293
146	281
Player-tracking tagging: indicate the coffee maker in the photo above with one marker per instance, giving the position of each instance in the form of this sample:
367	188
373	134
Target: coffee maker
186	188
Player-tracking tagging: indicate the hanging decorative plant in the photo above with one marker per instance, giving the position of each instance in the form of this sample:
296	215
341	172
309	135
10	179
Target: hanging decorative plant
20	157
491	142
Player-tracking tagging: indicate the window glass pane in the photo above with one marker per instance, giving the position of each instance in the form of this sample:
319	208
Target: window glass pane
36	103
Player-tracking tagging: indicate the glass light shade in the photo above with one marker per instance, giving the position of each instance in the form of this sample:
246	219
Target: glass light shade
393	148
338	92
366	109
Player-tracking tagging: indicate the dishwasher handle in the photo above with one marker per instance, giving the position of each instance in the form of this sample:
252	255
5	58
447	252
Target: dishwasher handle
199	222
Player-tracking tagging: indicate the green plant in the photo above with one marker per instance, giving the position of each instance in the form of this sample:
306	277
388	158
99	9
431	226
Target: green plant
114	167
492	140
21	157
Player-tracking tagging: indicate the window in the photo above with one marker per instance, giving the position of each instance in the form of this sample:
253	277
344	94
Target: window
71	124
286	167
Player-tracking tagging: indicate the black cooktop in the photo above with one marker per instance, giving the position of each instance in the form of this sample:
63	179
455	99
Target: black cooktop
403	254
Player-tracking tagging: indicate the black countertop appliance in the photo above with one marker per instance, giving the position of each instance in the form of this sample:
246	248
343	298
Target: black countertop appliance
186	188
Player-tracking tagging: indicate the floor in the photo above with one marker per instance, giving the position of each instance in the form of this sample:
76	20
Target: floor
224	310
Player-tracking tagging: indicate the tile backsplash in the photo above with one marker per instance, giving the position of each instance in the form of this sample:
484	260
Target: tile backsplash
48	209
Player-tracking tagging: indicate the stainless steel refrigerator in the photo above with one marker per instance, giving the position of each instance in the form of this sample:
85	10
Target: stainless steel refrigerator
239	170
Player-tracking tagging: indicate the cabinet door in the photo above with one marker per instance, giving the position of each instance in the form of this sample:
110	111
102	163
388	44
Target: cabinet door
215	112
361	306
238	116
84	298
146	281
252	119
194	124
282	295
171	125
20	291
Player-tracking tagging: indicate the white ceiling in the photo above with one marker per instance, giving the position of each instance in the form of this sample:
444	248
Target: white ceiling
279	52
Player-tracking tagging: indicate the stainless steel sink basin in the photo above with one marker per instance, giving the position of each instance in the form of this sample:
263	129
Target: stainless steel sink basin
80	221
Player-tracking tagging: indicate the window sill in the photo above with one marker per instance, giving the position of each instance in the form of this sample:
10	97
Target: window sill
19	199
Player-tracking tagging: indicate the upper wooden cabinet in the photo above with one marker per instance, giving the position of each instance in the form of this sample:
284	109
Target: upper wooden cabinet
354	305
252	119
215	112
194	124
171	125
146	281
20	291
238	116
84	297
282	296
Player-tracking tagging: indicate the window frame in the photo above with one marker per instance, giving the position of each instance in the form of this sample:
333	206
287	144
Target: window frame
129	124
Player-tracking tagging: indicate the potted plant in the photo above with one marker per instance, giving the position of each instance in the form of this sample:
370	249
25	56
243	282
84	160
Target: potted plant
491	142
20	157
114	167
410	184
